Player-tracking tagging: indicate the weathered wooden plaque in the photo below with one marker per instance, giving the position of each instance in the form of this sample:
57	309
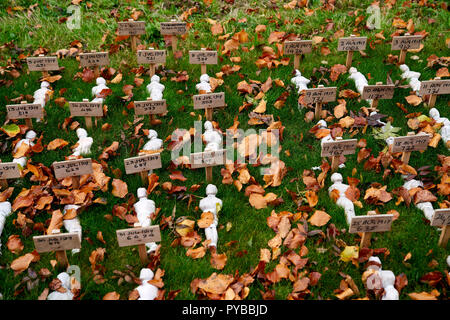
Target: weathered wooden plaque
208	159
338	147
137	236
376	92
9	170
72	168
441	218
209	100
325	94
25	111
173	28
94	59
297	47
131	28
202	57
371	223
42	63
416	142
150	107
142	163
434	87
151	56
57	242
86	109
352	44
406	42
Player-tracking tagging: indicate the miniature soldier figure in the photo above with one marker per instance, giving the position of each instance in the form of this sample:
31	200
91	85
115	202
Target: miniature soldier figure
204	86
96	91
425	207
65	281
146	290
412	77
379	278
144	209
300	82
445	129
5	211
212	138
155	89
211	204
84	143
342	201
23	144
72	225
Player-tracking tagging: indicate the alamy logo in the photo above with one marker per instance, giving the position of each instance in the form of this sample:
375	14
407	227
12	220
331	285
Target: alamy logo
74	21
374	20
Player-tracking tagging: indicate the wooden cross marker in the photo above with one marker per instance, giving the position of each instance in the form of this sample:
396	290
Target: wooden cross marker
59	243
297	48
335	149
173	28
87	110
94	59
378	91
74	169
409	143
403	43
209	101
25	111
319	96
434	87
369	224
350	45
151	57
207	160
203	57
8	170
142	164
139	236
441	218
131	28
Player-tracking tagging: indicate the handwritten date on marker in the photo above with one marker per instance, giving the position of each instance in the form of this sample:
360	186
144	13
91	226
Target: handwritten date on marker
297	47
9	170
371	223
375	92
151	56
86	109
209	100
131	28
72	168
406	42
352	44
173	28
25	111
434	87
150	107
137	236
42	63
208	159
57	242
416	142
315	95
142	163
202	57
338	148
441	218
94	59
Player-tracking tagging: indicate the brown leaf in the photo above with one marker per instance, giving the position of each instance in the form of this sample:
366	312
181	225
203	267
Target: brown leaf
207	218
218	261
111	296
14	244
319	218
120	188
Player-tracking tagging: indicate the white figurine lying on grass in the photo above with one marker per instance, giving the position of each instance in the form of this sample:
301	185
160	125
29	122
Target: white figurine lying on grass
144	209
445	129
96	91
211	204
412	77
342	201
65	281
146	290
5	211
381	279
84	143
73	225
26	143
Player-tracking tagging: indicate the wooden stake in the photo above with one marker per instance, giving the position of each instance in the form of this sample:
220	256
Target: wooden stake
366	236
174	43
433	97
28	121
335	160
203	66
88	120
375	101
208	171
144	177
406	155
445	235
318	111
76	182
348	62
402	56
142	249
209	114
61	256
296	61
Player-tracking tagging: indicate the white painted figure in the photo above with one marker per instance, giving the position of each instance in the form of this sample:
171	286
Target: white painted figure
153	143
211	204
146	290
144	209
5	211
155	88
359	78
300	82
342	201
101	85
382	279
425	207
412	77
68	295
328	138
204	84
42	95
212	137
29	138
445	129
73	225
84	143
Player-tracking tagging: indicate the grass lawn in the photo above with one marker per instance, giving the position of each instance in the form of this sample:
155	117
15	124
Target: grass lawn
22	31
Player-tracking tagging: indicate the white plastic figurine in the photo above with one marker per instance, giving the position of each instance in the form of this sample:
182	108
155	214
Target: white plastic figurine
144	209
5	211
300	82
73	225
412	77
359	78
29	138
211	204
386	277
84	143
42	95
68	295
328	138
204	86
101	85
445	129
153	143
425	207
342	201
155	88
146	290
212	137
